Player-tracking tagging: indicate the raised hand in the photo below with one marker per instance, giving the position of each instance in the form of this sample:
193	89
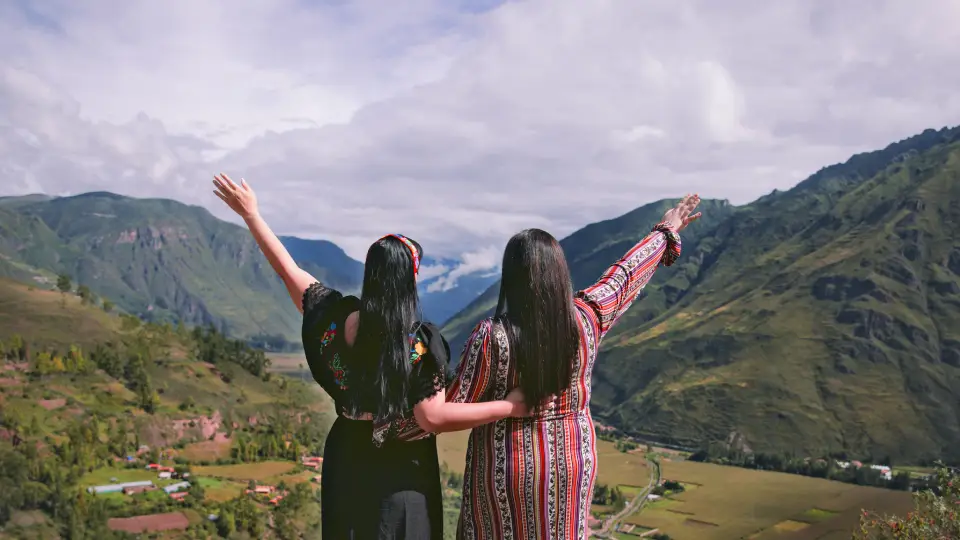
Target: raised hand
680	216
241	199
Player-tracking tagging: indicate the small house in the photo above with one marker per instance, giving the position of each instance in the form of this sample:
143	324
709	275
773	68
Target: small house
173	488
178	496
133	490
164	475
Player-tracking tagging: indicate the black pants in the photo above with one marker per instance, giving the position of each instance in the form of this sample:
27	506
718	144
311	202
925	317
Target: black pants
386	493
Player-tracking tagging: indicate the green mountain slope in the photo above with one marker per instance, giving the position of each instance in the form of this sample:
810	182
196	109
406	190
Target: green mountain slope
590	251
822	318
825	317
162	260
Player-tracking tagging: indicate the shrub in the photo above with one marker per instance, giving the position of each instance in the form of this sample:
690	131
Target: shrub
935	516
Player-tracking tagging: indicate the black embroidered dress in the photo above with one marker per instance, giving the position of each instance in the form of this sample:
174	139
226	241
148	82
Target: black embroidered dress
380	480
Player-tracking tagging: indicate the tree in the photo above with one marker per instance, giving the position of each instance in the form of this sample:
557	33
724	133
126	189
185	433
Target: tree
107	358
187	404
35	428
85	294
196	492
57	364
43	364
148	398
63	283
935	516
107	305
15	348
226	524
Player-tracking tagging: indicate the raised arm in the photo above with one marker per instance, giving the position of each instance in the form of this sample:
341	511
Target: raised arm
618	287
242	200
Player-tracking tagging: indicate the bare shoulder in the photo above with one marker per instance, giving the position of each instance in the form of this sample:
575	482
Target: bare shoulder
350	326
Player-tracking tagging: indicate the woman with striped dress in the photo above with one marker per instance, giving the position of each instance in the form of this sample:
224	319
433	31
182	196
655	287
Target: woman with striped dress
532	478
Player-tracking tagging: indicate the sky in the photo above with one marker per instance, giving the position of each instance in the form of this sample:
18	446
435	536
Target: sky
460	122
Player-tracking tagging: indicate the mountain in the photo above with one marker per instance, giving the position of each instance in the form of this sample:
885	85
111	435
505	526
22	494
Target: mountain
162	260
823	318
165	260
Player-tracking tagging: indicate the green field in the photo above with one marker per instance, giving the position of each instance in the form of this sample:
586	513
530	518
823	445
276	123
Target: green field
112	475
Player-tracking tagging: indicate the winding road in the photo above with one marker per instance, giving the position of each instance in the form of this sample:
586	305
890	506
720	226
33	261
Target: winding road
633	506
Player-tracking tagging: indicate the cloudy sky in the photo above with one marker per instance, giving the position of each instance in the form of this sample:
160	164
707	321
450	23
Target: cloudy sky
459	122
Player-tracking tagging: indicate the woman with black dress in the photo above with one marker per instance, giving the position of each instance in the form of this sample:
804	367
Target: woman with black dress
385	369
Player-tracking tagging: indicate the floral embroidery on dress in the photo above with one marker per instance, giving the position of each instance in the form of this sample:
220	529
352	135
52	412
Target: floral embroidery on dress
417	349
339	372
328	336
336	366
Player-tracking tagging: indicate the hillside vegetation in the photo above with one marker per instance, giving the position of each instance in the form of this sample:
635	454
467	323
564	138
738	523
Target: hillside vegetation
88	398
821	319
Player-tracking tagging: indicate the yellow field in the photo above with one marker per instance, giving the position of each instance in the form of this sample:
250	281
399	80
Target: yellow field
452	448
731	503
288	363
247	471
219	490
50	317
206	450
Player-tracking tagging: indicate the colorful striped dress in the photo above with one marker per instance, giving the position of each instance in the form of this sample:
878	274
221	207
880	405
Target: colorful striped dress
533	478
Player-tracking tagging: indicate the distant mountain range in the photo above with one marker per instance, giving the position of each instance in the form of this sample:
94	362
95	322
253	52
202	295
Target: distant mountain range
823	318
164	260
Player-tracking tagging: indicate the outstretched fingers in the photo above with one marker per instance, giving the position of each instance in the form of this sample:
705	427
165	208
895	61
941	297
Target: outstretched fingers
221	184
230	183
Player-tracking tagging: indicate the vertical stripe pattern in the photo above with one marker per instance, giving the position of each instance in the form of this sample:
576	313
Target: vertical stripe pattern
533	478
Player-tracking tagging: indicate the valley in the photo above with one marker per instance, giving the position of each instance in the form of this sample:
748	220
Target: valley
803	341
124	401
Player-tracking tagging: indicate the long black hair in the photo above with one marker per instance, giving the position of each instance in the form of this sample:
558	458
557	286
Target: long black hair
536	310
389	314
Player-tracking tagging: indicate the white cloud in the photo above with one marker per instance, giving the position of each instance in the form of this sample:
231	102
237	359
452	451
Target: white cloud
487	259
460	128
430	271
